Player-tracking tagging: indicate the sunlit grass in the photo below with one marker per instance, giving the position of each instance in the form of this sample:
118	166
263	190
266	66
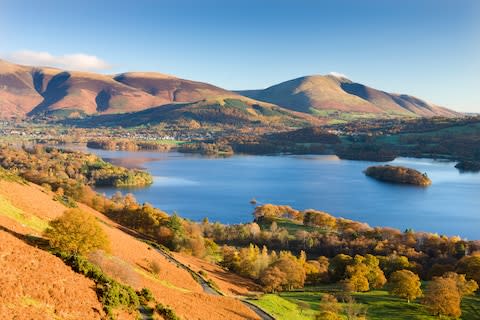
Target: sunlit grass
12	212
380	305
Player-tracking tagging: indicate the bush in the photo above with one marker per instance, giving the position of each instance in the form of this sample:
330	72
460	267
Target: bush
65	200
76	232
145	296
111	293
166	312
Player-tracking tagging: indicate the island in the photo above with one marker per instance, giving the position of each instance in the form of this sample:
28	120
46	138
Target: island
468	166
398	174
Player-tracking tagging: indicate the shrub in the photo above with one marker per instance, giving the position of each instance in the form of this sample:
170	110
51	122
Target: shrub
76	232
111	293
166	312
145	296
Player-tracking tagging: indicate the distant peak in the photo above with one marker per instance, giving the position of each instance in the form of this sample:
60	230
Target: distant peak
338	75
153	75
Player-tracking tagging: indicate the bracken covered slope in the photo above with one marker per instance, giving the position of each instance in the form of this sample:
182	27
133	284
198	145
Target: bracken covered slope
48	285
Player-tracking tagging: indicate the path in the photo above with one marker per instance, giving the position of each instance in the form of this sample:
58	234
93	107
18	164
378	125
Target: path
207	287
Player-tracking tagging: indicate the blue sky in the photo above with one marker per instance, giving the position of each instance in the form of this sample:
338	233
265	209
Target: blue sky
428	48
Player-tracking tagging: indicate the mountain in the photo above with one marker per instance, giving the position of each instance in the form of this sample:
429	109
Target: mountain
318	95
34	91
37	91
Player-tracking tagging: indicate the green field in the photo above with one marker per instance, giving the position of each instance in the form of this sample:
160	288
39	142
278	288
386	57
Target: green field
380	305
290	225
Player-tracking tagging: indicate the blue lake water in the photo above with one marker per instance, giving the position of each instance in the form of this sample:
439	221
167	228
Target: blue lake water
221	189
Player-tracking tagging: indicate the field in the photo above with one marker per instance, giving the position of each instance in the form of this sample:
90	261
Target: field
290	225
303	305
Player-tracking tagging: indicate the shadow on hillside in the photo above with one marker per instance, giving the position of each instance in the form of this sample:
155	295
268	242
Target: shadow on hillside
34	241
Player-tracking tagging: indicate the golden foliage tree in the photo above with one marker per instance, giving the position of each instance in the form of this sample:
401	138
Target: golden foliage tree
443	297
405	284
76	232
364	273
465	287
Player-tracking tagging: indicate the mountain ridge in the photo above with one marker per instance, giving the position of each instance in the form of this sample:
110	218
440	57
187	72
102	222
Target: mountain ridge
27	91
330	92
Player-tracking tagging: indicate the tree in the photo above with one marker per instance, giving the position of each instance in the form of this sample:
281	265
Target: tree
273	279
285	273
329	308
470	266
338	265
364	273
76	232
443	297
465	287
405	284
353	310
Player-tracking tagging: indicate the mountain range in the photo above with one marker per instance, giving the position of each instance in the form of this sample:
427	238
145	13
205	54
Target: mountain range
143	97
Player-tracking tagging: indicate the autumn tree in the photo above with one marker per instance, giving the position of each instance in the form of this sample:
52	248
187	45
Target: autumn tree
364	273
286	273
319	219
465	287
338	265
329	308
443	298
273	279
470	266
76	232
405	284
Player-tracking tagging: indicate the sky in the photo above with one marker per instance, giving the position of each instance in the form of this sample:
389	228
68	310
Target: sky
427	48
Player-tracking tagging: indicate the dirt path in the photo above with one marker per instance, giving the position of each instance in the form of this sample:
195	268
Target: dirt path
207	287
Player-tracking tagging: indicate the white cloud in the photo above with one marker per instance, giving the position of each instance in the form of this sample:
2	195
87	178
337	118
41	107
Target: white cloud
75	61
338	75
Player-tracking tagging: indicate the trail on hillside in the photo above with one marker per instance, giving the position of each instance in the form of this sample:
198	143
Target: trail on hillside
207	287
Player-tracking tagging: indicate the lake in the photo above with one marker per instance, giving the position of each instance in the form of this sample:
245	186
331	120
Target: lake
221	189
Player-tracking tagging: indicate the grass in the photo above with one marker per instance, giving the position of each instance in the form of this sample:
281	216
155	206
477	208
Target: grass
283	309
290	225
12	212
380	304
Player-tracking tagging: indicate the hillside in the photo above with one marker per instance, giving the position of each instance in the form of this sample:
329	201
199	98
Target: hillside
35	91
38	91
319	95
26	208
234	112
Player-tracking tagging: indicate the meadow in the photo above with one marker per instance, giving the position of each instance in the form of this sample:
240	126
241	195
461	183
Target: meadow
304	305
